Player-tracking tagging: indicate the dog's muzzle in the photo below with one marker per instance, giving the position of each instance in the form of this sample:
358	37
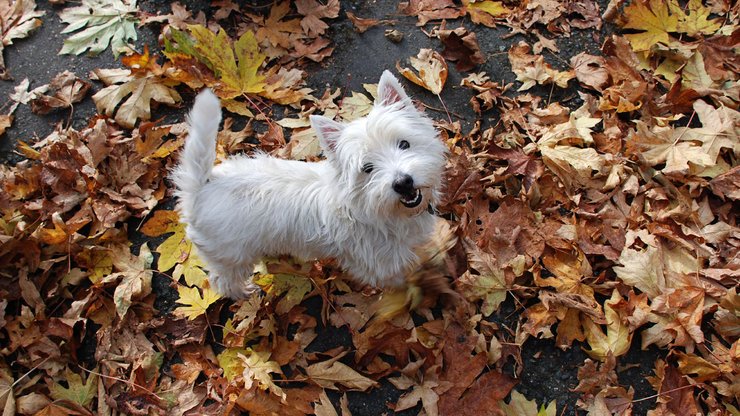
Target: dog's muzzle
411	196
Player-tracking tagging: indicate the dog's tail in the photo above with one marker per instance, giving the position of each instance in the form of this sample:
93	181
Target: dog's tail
199	152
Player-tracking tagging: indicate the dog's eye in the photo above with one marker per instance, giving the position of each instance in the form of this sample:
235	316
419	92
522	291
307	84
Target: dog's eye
367	167
403	145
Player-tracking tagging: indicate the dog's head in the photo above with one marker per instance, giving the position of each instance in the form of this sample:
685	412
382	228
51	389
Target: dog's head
391	161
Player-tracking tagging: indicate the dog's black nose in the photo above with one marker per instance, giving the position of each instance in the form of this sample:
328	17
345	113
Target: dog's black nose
404	185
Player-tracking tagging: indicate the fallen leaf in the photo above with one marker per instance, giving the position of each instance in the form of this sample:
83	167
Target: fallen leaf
313	12
520	406
257	368
432	70
142	90
426	10
64	90
461	47
19	18
103	23
532	69
616	341
79	391
331	372
194	304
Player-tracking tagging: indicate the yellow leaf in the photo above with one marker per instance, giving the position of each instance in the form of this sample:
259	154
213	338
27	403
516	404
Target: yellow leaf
494	8
162	222
235	66
192	270
656	18
176	250
697	22
230	362
194	303
618	337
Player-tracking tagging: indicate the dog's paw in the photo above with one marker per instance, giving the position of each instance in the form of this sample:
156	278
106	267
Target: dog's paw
235	289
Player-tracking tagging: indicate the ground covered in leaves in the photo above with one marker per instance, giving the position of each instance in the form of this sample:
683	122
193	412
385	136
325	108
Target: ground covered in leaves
587	262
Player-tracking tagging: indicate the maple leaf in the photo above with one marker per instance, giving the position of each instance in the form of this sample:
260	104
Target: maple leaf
135	274
423	392
236	66
230	362
330	372
486	12
313	12
489	284
696	21
175	251
77	391
720	129
355	106
258	367
19	18
143	89
617	339
432	70
590	70
427	10
293	287
107	22
362	24
656	18
275	31
642	269
532	69
675	147
520	406
194	303
64	90
461	47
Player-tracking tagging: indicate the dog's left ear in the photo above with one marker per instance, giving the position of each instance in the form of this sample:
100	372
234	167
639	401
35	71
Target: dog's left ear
390	91
328	131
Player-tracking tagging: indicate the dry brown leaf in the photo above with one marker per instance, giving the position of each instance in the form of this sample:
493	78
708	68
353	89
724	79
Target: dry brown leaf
432	70
461	47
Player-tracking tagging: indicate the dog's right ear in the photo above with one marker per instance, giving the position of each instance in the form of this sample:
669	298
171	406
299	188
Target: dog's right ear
328	131
390	91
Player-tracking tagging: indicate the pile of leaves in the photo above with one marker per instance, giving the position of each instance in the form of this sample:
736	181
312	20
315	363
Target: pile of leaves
608	223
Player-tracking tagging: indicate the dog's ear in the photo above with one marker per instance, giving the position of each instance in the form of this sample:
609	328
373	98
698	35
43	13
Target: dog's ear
328	131
390	91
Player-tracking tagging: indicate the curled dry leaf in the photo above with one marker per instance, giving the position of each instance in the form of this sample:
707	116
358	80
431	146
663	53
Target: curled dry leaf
461	47
363	24
19	18
63	91
432	70
590	70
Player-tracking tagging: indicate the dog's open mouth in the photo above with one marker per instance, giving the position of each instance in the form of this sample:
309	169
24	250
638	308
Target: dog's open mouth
412	200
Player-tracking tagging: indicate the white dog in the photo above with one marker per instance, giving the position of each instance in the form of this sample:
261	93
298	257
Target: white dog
365	205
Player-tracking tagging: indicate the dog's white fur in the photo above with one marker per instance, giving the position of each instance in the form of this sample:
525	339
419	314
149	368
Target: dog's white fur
247	208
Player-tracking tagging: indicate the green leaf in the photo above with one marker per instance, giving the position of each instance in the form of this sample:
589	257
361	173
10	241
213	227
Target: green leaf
105	22
78	391
236	67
